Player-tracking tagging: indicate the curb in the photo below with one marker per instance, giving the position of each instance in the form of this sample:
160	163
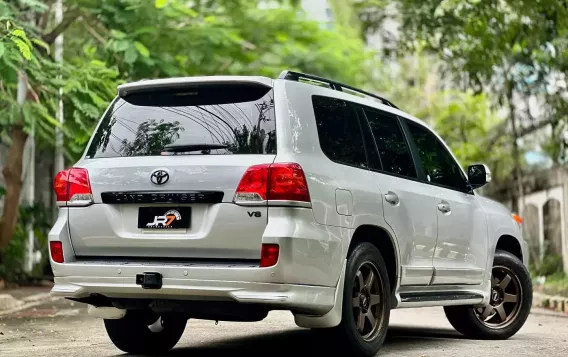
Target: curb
550	302
9	304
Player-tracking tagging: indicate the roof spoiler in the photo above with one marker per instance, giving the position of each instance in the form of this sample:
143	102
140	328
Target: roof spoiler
187	82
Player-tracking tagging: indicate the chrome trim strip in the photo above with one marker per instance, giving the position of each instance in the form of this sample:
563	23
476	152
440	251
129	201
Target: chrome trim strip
289	203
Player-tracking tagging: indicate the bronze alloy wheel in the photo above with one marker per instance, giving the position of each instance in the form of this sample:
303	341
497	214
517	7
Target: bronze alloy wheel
510	301
366	302
367	307
505	299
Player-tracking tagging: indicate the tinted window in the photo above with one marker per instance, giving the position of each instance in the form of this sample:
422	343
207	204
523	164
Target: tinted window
368	140
339	131
393	148
439	166
206	119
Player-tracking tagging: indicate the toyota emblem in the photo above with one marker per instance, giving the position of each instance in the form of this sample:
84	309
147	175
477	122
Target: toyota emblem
159	177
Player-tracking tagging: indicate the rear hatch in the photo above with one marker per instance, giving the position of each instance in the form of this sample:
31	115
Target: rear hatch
163	166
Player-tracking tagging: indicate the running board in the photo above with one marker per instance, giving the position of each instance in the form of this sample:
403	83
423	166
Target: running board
424	299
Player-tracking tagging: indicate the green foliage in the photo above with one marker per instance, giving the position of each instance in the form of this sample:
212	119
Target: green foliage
152	39
216	37
513	51
87	84
546	303
555	284
467	121
551	266
14	255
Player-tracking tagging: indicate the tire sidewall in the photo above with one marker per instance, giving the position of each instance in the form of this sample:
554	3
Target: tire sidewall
364	252
132	335
508	260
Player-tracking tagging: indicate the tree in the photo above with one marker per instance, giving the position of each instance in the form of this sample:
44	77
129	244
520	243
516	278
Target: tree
513	51
211	38
124	40
465	120
29	91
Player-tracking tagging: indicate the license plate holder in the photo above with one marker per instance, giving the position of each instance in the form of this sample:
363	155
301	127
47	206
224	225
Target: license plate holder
149	280
157	218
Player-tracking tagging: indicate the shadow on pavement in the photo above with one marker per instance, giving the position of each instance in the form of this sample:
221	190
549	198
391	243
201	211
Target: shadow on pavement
301	343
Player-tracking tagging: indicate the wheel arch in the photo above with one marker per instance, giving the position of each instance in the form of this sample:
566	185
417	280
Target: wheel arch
384	242
510	244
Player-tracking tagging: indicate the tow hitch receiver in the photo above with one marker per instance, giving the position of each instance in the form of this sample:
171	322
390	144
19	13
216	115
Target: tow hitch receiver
149	280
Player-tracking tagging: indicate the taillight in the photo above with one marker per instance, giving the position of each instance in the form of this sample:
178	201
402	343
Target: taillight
60	185
269	255
254	185
72	187
56	251
273	183
288	183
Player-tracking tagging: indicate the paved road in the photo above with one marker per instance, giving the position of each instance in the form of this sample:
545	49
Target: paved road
62	328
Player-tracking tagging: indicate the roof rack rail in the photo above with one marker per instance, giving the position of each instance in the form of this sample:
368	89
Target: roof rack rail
296	76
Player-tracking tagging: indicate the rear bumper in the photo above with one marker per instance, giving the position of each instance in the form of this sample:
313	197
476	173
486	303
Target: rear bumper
304	299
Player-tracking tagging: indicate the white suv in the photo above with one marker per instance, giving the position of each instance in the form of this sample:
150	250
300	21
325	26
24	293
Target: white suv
224	198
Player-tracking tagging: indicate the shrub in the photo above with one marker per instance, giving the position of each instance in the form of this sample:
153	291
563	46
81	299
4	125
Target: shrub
551	264
14	255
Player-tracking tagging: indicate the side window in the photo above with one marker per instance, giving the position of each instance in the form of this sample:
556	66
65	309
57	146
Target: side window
339	131
439	166
368	140
393	148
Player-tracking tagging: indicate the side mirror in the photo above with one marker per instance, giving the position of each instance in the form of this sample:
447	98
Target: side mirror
478	175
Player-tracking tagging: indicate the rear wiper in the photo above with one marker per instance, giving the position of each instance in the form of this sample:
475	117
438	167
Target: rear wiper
193	147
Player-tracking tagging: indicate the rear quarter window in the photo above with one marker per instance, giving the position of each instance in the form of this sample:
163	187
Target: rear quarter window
339	131
200	120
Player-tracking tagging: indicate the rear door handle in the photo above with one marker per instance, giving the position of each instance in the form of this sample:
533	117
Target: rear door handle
444	207
391	198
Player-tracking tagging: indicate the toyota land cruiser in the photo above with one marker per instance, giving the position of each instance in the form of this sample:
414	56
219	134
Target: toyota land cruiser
224	198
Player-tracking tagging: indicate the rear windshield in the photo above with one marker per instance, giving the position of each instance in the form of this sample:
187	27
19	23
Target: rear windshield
201	120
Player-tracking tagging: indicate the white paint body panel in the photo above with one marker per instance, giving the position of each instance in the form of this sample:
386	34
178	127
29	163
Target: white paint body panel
414	222
461	247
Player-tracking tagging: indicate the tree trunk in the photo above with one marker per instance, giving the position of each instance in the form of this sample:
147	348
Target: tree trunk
13	170
516	152
13	177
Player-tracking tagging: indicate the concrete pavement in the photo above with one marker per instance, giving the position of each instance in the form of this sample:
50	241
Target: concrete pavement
62	328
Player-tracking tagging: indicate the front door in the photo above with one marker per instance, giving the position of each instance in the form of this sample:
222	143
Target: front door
461	247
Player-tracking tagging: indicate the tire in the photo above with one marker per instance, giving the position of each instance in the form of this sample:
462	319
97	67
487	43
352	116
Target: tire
145	333
363	259
470	321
